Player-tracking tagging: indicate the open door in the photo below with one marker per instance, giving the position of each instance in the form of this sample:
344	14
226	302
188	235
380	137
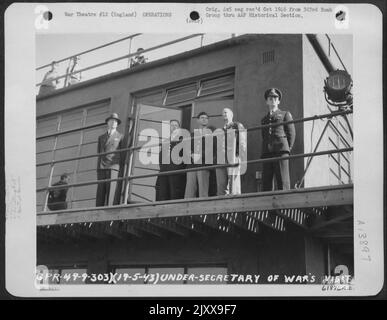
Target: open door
150	119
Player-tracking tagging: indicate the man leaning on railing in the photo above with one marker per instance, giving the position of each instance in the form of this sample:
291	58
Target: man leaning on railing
138	59
49	82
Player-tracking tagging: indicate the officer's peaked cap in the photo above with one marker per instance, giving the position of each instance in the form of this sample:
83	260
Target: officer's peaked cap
273	92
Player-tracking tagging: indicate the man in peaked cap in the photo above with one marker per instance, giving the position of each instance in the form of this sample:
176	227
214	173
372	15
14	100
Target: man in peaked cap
277	141
108	165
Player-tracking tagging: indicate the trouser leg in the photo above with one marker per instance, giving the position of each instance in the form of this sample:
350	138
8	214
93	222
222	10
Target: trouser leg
113	187
267	176
101	188
191	185
176	186
234	180
221	181
282	173
162	188
203	182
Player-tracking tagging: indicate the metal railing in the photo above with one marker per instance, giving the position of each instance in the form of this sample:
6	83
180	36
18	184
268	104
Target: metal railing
129	177
127	56
316	117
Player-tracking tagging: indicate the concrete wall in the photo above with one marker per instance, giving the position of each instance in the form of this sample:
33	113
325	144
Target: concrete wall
314	74
253	78
268	254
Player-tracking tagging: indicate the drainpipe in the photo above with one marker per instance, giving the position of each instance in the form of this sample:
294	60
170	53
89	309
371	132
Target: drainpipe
322	54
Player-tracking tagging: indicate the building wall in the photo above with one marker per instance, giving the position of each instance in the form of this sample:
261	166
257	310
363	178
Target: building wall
314	74
294	68
252	78
323	170
271	253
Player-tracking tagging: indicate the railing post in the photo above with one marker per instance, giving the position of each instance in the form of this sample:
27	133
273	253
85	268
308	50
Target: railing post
130	51
67	74
314	150
49	184
53	164
130	162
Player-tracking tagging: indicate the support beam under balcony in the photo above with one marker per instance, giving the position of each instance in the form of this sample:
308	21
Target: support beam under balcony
285	199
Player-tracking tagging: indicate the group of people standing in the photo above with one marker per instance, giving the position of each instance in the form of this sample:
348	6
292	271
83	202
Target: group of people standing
50	80
198	181
278	137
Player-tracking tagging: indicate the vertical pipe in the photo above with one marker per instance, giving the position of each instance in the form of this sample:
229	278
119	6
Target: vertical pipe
315	149
128	163
67	74
317	46
134	141
79	154
52	165
130	51
329	259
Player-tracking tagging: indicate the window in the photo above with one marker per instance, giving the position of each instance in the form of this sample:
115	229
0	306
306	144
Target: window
70	134
268	56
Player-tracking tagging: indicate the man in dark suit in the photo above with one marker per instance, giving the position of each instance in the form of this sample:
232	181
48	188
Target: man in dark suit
108	165
277	141
169	187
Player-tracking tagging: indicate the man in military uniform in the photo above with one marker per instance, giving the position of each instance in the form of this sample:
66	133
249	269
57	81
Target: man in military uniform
278	141
108	165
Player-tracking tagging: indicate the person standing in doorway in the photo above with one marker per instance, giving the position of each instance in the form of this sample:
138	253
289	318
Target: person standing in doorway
169	187
108	165
277	141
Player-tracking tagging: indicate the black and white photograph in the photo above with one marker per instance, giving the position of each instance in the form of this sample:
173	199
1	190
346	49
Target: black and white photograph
154	127
206	156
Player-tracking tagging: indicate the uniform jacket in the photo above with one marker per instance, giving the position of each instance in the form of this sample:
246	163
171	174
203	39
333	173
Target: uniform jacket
280	138
106	144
